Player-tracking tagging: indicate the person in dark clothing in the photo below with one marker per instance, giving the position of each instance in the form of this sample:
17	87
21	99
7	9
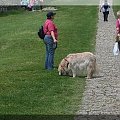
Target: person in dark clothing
105	9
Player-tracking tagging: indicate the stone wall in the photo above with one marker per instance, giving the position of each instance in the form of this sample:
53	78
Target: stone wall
6	5
9	2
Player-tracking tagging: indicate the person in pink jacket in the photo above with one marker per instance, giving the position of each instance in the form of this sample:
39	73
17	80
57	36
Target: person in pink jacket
31	4
118	28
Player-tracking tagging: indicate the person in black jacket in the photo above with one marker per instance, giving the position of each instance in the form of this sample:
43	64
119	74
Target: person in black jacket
105	9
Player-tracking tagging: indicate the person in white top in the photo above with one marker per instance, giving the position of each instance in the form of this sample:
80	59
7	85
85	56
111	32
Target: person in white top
105	9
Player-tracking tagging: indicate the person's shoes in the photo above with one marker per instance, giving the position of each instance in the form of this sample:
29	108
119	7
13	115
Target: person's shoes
55	67
49	69
46	68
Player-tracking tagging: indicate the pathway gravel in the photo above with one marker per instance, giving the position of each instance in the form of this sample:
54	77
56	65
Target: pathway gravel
102	94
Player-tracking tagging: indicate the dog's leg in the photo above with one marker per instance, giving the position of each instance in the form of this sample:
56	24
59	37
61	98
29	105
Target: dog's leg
60	73
72	70
73	73
89	72
92	67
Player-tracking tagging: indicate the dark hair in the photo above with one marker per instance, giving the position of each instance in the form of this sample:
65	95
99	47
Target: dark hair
49	17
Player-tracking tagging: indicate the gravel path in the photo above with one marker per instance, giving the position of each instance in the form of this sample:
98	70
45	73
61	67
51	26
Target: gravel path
102	94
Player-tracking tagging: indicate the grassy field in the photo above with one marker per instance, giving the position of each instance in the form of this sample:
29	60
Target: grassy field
25	86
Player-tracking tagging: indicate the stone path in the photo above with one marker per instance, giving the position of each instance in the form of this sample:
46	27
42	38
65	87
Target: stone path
102	94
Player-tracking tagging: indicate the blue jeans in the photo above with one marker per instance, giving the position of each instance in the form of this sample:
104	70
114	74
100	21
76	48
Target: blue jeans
50	50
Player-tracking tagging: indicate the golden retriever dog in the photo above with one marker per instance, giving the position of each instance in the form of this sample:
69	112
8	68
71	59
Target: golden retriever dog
73	64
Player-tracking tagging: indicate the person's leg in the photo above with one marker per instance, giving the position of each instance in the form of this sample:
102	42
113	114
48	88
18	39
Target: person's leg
48	44
54	48
46	57
104	15
49	52
41	7
53	58
107	15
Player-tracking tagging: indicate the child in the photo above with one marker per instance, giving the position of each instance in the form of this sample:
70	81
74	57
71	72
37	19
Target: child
105	9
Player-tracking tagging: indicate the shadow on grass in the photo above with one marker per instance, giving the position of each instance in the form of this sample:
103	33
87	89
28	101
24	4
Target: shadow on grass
82	76
11	12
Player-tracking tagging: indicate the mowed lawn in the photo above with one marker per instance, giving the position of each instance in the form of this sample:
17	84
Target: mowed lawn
25	86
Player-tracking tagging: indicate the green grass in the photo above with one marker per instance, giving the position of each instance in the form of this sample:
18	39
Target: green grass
116	8
25	86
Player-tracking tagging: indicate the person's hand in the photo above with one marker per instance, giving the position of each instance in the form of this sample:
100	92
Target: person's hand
117	29
55	41
118	35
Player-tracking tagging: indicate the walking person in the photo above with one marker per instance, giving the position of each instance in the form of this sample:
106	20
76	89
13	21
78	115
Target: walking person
118	29
105	9
50	40
41	4
31	4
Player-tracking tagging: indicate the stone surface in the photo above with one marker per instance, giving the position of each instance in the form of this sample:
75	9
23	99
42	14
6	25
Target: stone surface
102	93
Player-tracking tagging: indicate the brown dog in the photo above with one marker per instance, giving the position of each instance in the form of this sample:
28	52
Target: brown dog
73	64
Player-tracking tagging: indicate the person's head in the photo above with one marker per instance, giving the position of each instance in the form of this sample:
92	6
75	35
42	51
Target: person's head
105	1
118	14
50	15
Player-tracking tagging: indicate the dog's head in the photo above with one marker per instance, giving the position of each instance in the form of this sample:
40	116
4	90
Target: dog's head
63	67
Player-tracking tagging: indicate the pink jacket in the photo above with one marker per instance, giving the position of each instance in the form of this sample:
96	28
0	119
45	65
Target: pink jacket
50	26
118	26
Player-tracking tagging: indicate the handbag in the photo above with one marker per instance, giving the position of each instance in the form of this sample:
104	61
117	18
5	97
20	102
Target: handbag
117	38
54	45
116	49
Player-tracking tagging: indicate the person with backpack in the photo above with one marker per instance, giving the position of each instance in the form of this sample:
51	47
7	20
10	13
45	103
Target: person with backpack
105	9
50	40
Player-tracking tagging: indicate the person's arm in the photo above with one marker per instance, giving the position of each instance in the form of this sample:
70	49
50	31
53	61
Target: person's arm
117	27
109	5
53	36
101	8
51	30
